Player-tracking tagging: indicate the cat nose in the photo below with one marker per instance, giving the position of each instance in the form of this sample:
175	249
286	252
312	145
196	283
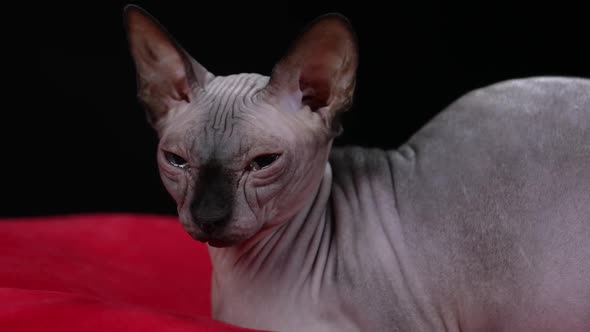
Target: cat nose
213	199
210	223
210	215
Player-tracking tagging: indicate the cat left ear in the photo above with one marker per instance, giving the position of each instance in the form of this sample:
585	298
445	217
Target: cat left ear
319	71
166	73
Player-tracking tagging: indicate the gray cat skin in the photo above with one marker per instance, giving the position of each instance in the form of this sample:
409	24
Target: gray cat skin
479	222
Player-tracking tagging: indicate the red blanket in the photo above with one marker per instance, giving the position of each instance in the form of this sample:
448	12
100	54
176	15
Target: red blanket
115	272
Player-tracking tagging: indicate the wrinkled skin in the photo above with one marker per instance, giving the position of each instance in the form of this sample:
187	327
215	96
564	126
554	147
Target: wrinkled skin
480	222
257	199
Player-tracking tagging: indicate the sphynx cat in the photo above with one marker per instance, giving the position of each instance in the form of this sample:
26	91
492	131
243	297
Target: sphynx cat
479	222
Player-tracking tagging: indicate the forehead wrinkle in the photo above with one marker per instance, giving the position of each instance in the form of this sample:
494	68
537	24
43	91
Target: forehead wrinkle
226	102
236	93
226	94
237	90
245	91
221	92
238	102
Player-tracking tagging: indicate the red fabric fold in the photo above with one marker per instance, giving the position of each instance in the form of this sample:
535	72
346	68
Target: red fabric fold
103	272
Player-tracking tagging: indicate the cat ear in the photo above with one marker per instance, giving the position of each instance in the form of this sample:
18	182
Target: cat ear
319	71
166	73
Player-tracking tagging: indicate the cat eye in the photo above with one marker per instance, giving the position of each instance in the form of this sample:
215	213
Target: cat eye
175	160
263	161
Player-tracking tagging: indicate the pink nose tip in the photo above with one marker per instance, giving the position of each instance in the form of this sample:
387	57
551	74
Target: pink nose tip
211	223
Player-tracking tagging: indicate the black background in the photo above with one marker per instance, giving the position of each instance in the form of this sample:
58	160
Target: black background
75	140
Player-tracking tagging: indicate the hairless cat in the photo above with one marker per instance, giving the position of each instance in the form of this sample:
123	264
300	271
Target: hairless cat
479	222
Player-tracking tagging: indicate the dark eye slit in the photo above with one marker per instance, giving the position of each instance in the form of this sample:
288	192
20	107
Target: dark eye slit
175	160
263	161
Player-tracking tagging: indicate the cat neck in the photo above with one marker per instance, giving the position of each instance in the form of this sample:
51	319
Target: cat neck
290	247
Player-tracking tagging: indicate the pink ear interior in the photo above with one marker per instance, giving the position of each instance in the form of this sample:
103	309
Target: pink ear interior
163	70
159	60
321	64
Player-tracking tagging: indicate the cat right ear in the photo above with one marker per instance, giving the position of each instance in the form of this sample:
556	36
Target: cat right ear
166	74
319	70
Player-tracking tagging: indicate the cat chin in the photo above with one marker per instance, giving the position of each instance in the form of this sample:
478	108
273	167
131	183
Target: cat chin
222	243
217	241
